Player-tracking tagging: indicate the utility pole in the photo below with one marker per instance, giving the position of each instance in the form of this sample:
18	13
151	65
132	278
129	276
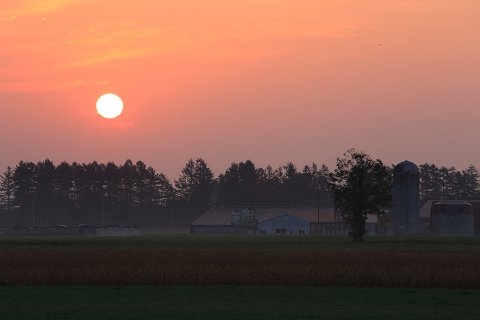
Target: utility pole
318	212
105	195
33	212
103	212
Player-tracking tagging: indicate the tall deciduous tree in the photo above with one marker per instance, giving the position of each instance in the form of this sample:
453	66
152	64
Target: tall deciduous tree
360	186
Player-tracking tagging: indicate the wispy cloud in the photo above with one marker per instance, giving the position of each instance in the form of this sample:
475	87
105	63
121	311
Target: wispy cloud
8	18
32	7
77	37
42	85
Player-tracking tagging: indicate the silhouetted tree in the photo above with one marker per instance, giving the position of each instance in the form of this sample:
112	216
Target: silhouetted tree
316	190
195	184
448	183
360	186
247	175
64	186
429	181
165	193
45	182
470	183
25	185
7	189
269	186
128	186
292	185
238	185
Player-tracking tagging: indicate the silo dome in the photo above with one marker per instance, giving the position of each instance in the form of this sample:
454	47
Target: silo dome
406	167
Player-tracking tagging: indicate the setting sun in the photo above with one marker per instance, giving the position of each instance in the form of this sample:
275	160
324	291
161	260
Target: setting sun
109	106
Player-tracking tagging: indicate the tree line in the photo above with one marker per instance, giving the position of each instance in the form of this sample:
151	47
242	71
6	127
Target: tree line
448	183
48	194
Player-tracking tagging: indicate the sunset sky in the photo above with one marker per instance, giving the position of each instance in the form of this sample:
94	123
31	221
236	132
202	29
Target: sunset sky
267	80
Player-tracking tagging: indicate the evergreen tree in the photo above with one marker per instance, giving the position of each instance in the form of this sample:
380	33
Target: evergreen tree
44	175
470	183
7	189
196	184
25	185
164	192
239	185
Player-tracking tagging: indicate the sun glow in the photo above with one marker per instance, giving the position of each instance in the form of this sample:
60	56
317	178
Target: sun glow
109	106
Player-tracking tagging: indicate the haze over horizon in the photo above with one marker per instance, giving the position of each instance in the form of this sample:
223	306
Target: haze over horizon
271	81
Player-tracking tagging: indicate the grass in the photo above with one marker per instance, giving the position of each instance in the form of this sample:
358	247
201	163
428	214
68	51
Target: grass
250	242
422	262
235	302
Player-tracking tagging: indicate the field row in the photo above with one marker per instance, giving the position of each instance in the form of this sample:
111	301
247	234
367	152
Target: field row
127	266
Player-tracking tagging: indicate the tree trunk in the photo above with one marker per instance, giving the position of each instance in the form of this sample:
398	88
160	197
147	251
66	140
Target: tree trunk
358	226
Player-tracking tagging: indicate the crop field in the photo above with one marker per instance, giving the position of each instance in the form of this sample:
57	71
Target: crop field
239	277
416	262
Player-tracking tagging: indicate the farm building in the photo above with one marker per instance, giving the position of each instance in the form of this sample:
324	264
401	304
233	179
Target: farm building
284	224
70	231
451	217
268	220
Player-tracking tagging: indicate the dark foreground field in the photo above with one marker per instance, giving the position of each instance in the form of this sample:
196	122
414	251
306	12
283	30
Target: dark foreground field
417	262
235	302
239	277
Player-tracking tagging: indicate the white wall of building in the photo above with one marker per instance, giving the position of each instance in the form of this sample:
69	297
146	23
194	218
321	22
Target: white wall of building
284	225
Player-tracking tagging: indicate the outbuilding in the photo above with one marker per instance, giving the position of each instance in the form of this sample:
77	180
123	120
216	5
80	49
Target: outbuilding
284	224
452	217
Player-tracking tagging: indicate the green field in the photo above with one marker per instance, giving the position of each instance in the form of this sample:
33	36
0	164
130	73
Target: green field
251	242
235	302
239	277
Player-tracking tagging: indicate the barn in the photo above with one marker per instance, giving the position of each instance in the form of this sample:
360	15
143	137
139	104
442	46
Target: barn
274	220
284	224
224	219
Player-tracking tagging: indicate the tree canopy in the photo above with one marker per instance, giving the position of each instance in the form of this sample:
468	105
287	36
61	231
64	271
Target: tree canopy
361	186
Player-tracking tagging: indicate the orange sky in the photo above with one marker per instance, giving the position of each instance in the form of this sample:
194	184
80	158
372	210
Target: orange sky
267	80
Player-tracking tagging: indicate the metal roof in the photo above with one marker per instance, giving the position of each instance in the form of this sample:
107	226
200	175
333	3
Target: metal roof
283	216
223	215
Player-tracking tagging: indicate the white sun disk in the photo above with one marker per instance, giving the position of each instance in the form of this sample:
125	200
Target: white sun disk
109	106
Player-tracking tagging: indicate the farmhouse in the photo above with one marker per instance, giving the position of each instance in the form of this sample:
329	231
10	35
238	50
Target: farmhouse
274	220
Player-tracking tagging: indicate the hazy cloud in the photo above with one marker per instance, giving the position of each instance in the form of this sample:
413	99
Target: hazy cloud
32	7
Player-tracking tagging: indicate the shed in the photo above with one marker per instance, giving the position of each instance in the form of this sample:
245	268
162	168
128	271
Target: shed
452	217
